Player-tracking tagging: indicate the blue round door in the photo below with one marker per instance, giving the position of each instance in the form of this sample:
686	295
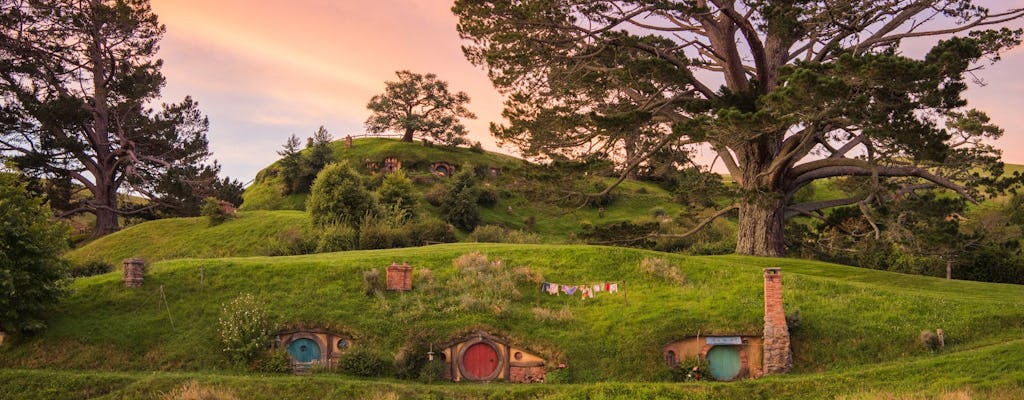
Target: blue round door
304	350
724	362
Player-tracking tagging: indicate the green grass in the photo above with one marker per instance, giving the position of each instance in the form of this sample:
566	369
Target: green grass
250	233
852	319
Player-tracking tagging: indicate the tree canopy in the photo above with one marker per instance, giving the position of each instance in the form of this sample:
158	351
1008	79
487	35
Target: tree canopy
784	92
78	80
420	104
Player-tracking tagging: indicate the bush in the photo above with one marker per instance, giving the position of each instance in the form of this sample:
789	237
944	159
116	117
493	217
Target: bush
372	282
214	212
432	371
487	196
32	273
663	269
520	237
396	191
435	195
337	237
377	234
294	241
431	229
275	361
362	362
929	340
90	268
338	196
658	212
691	369
603	200
488	234
244	329
459	204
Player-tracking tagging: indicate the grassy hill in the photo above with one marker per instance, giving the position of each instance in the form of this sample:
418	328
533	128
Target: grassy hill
856	323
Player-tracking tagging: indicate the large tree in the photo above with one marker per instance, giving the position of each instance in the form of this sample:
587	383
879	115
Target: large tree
417	103
78	79
785	92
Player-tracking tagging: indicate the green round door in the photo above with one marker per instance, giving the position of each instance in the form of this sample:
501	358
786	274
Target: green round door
724	362
304	351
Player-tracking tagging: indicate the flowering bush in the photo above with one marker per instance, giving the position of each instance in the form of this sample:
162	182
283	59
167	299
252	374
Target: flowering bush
244	329
691	369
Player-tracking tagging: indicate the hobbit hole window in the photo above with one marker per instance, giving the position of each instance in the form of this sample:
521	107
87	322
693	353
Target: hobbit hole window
519	355
342	344
670	359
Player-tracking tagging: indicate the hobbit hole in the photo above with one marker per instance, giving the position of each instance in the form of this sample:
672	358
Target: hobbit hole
481	357
442	170
392	165
308	347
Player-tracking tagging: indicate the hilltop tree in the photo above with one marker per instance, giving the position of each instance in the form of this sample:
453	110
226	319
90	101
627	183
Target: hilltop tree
785	92
77	80
420	104
31	270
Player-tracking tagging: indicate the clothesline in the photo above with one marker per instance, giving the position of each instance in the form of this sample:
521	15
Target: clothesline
585	291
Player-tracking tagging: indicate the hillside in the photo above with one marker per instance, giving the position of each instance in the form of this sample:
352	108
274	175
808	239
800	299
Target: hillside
851	318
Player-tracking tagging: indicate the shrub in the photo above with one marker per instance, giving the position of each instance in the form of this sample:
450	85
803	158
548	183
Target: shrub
929	340
658	212
396	191
488	234
477	147
377	234
431	229
338	196
90	268
793	320
520	237
275	361
372	283
459	204
412	357
337	237
432	371
690	369
244	329
603	200
362	362
214	212
435	195
294	241
487	196
663	269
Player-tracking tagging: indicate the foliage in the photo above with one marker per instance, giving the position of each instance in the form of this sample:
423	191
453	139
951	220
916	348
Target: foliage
691	369
459	204
417	103
89	268
433	230
487	195
486	286
929	340
296	240
373	283
396	191
361	361
338	196
193	390
784	92
244	327
488	234
32	274
661	268
621	233
378	233
432	371
214	212
291	167
275	361
337	237
96	132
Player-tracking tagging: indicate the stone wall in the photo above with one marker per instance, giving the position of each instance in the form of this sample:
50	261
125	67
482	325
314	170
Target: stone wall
778	358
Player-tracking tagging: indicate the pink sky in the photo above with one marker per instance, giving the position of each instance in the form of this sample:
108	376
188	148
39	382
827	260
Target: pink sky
263	70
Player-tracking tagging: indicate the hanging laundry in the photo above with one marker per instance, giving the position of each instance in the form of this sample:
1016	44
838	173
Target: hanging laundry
587	292
544	287
607	287
569	290
597	288
553	289
613	288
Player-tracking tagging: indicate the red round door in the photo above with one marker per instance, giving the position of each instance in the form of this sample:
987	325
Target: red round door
480	361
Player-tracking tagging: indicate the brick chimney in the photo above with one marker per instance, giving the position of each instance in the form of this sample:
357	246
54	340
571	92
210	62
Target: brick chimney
134	272
778	358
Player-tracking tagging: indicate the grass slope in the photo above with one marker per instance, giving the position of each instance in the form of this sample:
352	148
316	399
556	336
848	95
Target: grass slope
249	234
851	318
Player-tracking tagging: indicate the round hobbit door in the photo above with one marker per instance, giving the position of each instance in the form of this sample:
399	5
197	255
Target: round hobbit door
724	362
480	362
304	351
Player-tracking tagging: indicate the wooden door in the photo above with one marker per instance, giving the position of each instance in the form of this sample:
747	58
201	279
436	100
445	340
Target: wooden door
304	350
480	361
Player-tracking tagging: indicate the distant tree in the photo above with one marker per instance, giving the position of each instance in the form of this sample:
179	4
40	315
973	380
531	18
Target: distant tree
338	196
396	191
77	80
320	152
459	202
785	92
291	164
420	104
32	272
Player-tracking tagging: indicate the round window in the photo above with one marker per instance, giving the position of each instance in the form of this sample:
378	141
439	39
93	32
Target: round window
342	344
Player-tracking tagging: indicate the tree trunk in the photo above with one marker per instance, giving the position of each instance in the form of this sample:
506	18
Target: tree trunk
408	135
105	206
760	227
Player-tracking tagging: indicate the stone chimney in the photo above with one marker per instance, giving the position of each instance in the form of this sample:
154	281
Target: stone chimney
134	270
399	277
778	358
